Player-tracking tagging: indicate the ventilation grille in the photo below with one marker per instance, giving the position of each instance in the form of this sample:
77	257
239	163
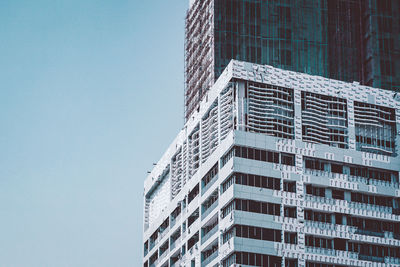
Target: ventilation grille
184	162
194	151
226	110
176	174
270	110
324	119
209	132
375	128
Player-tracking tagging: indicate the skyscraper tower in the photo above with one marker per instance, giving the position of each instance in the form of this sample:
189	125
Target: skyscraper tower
349	40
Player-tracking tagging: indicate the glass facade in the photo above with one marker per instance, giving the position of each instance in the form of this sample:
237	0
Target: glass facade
349	40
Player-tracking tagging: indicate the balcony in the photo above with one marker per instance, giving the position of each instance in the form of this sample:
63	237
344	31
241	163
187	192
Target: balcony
210	258
371	258
390	260
173	245
162	256
152	244
357	205
331	252
163	233
351	178
209	234
207	186
173	221
366	181
176	264
319	173
323	251
321	200
183	235
209	210
314	227
371	233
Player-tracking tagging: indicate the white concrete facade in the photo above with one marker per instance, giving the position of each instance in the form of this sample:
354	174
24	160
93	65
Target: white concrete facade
279	168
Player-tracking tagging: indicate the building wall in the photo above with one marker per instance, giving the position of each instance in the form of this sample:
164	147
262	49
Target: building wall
297	202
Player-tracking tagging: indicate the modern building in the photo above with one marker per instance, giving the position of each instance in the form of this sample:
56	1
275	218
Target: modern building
279	168
348	40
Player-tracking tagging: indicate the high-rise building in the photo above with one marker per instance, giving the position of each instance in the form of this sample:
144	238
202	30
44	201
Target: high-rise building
349	40
279	168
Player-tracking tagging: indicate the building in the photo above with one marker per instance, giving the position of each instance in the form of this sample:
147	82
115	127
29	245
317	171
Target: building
279	168
348	40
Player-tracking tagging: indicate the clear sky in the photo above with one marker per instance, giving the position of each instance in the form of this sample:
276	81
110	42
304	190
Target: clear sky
91	94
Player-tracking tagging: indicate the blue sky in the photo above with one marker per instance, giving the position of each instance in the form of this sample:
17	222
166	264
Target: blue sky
91	94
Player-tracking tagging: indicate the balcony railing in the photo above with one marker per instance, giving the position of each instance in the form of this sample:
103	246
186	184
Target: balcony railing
351	178
367	232
358	205
322	200
323	251
164	253
173	245
177	263
391	260
370	258
207	186
209	234
331	252
330	226
209	258
173	221
183	234
209	210
152	245
349	204
319	173
163	233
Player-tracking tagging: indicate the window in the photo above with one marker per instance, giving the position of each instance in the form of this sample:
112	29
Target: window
289	186
339	244
315	190
210	175
262	155
258	233
251	206
290	238
338	194
290	212
372	199
284	14
193	193
316	216
336	168
291	262
227	183
227	209
193	217
287	159
286	57
225	158
257	181
387	67
257	206
319	242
